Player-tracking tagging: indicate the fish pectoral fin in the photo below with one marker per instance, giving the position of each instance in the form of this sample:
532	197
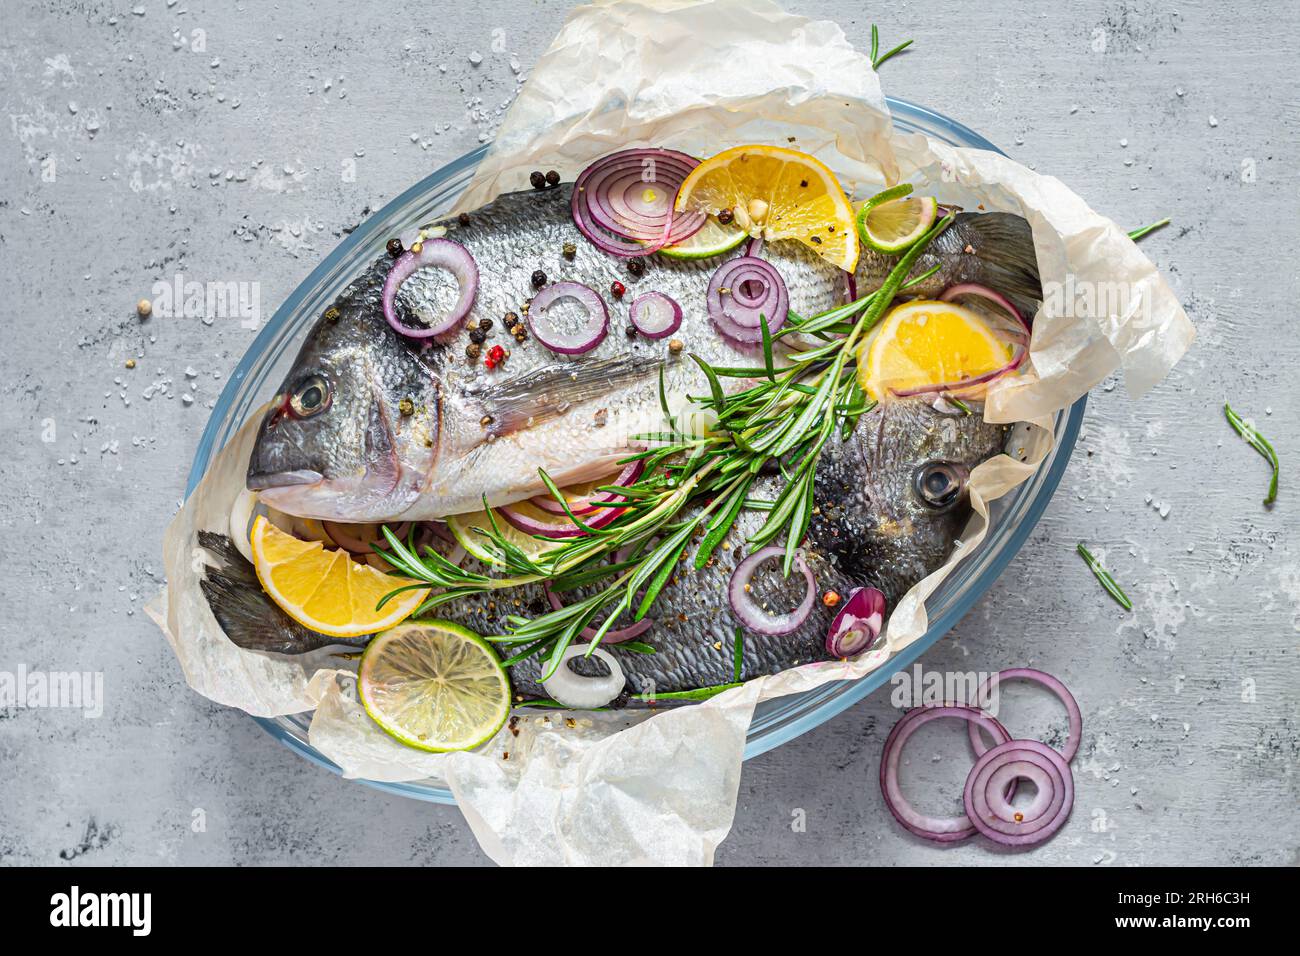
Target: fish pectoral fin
547	393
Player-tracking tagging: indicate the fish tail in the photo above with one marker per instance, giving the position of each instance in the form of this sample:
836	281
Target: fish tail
1002	248
246	613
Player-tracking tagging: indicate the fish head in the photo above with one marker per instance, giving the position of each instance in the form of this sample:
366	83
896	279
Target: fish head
352	432
898	490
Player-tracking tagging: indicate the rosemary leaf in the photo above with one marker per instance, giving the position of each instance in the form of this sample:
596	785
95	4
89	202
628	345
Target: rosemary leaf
1258	442
1104	576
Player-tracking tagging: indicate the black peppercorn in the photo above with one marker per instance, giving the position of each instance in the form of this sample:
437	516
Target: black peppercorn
725	217
472	351
463	219
477	337
552	178
539	279
485	325
511	320
631	331
537	179
636	267
394	247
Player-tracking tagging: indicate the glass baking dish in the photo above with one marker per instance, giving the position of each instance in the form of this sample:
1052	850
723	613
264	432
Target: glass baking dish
775	722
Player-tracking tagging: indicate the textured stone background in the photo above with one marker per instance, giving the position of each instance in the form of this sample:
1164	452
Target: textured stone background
227	163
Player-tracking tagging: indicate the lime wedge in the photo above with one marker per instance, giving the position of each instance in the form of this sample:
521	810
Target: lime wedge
713	239
434	685
462	529
889	224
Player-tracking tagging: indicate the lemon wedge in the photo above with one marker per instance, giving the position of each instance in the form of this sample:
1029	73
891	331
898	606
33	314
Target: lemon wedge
327	591
776	193
927	343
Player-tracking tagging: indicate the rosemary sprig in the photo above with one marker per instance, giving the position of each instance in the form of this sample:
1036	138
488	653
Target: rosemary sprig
1145	231
877	60
1104	576
1258	442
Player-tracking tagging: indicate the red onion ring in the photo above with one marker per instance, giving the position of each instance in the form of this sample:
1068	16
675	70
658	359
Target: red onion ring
597	502
857	624
1051	683
443	254
736	312
563	528
607	210
655	315
937	829
955	292
989	808
754	617
349	536
548	335
612	636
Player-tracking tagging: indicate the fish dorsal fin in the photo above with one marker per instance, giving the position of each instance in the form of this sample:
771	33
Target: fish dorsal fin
546	393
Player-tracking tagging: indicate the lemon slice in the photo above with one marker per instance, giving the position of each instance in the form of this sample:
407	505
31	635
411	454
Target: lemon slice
776	193
713	239
434	685
891	225
462	529
927	343
327	591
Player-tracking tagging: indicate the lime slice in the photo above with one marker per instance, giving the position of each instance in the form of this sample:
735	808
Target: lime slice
713	239
462	528
893	220
434	685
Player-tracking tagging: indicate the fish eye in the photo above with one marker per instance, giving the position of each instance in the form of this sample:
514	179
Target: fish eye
941	484
311	397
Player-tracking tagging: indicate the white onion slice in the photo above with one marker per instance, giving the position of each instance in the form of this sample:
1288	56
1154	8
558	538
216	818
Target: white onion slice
584	693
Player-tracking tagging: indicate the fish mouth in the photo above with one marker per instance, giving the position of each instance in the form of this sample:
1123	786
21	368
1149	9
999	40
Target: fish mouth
283	479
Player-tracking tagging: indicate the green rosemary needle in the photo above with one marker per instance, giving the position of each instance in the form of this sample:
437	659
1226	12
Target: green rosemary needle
1104	576
1258	442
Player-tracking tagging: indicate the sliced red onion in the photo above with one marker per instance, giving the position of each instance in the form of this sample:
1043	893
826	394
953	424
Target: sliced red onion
754	247
850	287
585	693
857	624
955	292
1052	684
361	538
746	608
443	254
592	503
938	829
623	202
989	808
378	563
569	344
612	636
1018	357
742	290
656	315
553	526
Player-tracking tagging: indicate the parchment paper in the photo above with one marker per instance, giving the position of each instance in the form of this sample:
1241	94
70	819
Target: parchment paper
698	76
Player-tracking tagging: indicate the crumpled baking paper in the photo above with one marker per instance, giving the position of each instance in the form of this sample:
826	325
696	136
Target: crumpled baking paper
700	76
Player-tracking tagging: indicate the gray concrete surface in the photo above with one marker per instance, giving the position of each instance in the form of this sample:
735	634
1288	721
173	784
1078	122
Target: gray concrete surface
213	139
